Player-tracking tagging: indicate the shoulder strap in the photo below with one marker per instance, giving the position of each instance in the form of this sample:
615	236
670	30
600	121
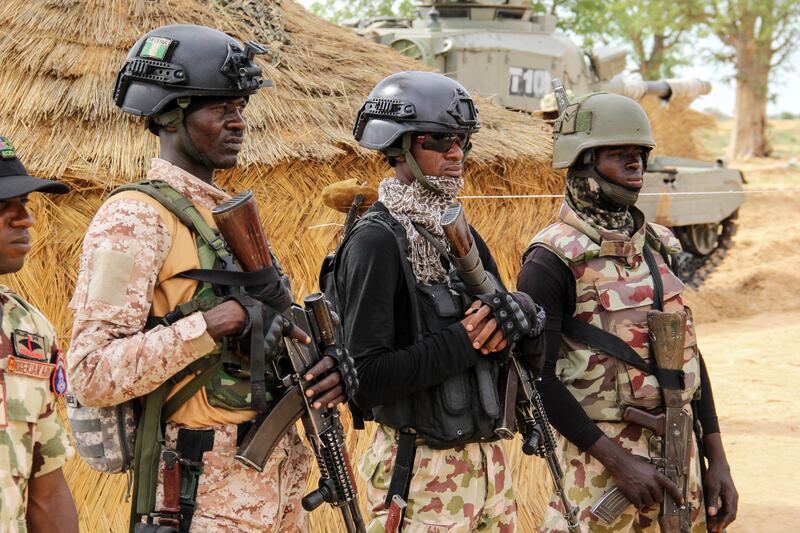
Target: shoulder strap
184	210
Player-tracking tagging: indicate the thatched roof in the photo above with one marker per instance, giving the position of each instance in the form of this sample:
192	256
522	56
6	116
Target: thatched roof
59	63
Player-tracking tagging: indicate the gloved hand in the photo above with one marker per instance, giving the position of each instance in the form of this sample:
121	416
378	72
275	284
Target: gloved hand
346	367
516	314
275	291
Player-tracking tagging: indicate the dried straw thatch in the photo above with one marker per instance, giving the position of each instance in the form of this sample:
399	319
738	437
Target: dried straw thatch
676	127
59	62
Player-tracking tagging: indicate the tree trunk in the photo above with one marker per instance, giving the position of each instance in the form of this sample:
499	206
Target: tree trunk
748	136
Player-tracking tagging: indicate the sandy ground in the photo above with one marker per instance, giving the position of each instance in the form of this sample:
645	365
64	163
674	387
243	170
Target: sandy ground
748	313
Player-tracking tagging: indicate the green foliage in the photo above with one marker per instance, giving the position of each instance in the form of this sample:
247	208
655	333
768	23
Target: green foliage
656	31
337	11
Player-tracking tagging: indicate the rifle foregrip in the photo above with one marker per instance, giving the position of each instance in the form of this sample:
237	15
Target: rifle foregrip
610	505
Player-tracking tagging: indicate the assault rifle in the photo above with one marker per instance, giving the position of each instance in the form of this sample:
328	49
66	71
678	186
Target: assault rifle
240	226
517	386
667	334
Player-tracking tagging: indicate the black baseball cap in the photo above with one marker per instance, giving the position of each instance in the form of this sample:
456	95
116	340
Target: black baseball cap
15	180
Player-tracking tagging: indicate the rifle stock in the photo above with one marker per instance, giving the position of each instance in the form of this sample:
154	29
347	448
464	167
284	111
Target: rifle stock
538	437
240	225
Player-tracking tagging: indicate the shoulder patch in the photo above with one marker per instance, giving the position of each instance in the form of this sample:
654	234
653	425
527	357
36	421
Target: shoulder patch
29	345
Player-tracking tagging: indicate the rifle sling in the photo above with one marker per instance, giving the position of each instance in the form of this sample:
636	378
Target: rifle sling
231	278
586	333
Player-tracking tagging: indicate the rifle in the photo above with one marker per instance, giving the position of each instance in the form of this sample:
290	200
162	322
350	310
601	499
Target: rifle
240	226
667	332
518	386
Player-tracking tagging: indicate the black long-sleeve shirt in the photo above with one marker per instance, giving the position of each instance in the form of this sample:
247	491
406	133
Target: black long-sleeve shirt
552	285
376	310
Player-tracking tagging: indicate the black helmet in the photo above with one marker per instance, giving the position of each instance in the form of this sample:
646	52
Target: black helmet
414	102
184	60
172	64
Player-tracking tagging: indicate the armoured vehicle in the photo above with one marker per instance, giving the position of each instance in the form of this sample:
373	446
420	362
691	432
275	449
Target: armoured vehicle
505	50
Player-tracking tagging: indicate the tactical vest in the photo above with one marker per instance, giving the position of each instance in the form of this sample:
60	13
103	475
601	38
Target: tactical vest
614	292
463	408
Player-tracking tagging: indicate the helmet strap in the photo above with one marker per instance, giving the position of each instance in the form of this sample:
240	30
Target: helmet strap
175	118
616	194
405	151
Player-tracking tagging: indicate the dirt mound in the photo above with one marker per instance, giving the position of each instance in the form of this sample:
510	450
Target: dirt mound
760	272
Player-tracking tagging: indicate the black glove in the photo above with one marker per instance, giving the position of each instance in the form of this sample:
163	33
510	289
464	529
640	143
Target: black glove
516	314
275	291
346	367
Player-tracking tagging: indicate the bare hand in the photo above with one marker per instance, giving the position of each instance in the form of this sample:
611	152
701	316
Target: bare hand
329	391
482	329
638	479
719	486
225	319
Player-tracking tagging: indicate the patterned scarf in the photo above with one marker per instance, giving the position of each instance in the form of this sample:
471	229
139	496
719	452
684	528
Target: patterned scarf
414	203
583	195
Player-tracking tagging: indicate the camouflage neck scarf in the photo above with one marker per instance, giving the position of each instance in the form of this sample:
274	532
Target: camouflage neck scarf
410	204
583	196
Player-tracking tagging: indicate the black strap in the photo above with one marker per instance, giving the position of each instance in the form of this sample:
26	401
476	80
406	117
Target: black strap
402	472
191	445
658	284
582	331
231	278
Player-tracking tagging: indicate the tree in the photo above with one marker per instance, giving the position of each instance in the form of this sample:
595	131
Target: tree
337	11
655	30
759	36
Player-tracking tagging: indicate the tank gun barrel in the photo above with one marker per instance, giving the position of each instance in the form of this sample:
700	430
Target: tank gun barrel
688	89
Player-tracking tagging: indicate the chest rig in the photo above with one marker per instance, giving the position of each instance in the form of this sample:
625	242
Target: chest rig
461	409
615	288
228	386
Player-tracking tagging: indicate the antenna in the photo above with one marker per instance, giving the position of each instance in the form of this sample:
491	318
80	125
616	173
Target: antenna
562	100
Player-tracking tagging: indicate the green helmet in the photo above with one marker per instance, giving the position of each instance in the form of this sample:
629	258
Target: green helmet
599	119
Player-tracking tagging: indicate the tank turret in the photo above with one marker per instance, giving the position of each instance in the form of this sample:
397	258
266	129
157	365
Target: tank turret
505	50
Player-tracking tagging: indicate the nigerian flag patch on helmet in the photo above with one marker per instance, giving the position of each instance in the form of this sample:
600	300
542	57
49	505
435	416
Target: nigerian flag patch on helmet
155	48
7	149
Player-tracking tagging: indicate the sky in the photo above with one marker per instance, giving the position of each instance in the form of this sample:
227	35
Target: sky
723	94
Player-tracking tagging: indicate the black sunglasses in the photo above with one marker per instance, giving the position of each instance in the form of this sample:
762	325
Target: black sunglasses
442	142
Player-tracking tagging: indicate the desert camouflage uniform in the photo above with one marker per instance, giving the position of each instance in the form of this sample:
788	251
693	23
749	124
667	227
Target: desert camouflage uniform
462	489
32	438
111	359
614	291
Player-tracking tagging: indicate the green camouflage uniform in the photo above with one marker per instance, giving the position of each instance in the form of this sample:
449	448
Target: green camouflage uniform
614	291
32	438
462	489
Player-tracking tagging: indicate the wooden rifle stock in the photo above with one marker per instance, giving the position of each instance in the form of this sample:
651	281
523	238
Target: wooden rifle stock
240	226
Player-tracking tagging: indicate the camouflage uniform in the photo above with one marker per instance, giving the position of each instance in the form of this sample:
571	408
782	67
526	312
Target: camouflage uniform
467	488
32	438
111	359
614	291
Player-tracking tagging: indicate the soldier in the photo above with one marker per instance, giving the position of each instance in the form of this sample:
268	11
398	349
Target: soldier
592	269
141	328
33	444
427	356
